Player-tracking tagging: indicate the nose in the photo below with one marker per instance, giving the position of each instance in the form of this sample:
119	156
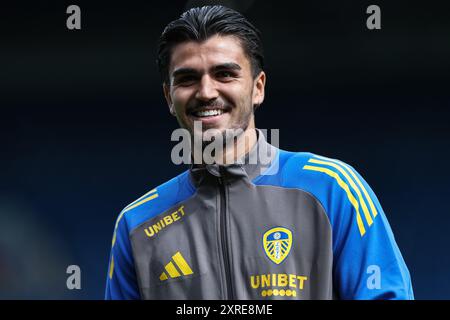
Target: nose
207	89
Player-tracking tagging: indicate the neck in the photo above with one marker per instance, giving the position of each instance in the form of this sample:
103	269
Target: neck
241	146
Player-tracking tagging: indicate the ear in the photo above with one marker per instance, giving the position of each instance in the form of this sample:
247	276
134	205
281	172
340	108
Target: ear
258	89
166	89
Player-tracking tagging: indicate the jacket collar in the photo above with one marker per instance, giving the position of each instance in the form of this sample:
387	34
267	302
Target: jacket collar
256	162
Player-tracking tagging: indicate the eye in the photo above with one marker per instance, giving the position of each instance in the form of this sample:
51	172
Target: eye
224	74
185	80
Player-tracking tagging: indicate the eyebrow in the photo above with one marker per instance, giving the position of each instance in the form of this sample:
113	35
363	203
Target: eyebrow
222	66
227	66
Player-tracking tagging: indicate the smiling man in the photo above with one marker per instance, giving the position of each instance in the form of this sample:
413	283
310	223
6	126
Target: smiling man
227	94
298	226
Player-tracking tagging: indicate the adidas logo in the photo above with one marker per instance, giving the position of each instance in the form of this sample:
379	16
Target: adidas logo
172	271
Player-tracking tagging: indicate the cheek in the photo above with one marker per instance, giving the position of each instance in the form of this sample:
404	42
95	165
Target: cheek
241	96
247	100
180	99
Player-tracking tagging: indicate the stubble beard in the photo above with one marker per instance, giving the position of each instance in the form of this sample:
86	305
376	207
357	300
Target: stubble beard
231	134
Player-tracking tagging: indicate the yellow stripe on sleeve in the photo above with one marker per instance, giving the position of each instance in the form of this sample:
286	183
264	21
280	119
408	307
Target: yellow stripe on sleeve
151	191
358	181
140	202
111	268
352	184
132	206
345	187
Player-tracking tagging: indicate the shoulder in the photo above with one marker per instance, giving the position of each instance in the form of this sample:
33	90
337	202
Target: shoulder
156	201
310	172
313	171
337	185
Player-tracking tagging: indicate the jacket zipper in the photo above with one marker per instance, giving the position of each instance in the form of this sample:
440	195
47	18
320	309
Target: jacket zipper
224	242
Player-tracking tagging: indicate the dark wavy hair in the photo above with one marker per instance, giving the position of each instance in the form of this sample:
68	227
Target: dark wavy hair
199	24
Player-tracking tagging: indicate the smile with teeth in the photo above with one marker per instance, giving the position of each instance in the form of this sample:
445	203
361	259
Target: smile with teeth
208	113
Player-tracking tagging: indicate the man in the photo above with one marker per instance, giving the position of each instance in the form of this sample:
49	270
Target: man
287	226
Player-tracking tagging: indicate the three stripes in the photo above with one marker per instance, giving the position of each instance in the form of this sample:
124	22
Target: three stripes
351	183
152	194
172	271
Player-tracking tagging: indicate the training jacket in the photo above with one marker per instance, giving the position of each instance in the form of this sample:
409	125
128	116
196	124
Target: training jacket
294	226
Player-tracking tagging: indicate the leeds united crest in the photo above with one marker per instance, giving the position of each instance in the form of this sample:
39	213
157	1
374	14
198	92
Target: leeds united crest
277	244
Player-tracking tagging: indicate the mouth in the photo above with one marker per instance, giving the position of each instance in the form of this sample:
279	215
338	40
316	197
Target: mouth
208	114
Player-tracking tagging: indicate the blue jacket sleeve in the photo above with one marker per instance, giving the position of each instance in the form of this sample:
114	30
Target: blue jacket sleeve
367	261
121	283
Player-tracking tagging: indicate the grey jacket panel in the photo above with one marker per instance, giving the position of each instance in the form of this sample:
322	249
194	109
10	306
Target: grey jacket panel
298	226
220	238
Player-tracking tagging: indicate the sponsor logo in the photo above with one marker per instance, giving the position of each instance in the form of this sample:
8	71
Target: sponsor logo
278	284
164	222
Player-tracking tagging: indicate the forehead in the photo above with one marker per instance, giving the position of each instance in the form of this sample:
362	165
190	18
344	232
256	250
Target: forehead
213	51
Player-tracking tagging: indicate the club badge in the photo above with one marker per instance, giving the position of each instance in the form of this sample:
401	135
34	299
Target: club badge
277	244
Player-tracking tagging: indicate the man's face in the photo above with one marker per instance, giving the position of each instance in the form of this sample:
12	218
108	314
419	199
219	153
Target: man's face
212	82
